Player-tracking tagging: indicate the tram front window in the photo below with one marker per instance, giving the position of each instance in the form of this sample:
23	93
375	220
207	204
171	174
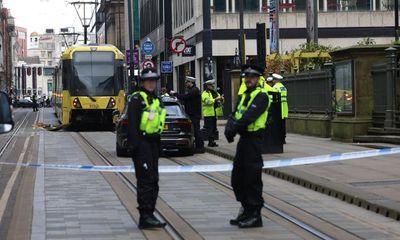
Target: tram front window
94	74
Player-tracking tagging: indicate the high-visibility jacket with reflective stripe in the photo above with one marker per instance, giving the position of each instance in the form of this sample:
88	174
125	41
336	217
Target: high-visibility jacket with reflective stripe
153	115
242	108
208	104
283	91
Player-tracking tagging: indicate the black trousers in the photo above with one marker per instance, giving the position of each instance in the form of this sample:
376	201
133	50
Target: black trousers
198	139
247	173
145	159
210	123
35	106
284	130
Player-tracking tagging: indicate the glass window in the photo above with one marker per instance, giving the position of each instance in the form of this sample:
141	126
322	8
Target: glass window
248	5
93	74
344	87
173	110
300	5
48	71
220	5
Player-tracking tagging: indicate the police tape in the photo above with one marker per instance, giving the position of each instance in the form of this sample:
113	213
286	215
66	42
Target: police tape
219	167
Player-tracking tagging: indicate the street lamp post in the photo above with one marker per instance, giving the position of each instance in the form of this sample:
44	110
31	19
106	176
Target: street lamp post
131	47
396	20
241	34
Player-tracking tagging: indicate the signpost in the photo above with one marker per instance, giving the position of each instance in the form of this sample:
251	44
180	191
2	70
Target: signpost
190	51
148	47
166	67
148	64
178	45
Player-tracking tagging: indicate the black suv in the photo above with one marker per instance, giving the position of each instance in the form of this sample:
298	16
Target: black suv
177	134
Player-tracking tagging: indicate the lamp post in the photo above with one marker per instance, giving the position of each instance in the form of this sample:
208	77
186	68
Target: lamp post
396	20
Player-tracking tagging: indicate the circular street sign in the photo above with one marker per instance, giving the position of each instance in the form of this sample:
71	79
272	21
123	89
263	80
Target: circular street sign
148	64
178	45
148	47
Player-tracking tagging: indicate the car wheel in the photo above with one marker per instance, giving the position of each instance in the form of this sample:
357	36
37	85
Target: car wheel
121	152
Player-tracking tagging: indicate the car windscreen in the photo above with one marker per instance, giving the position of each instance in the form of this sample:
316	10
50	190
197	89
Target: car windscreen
94	74
174	110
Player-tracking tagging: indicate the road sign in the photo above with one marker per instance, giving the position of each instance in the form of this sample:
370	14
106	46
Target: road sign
148	47
190	51
148	56
148	64
166	67
177	44
135	56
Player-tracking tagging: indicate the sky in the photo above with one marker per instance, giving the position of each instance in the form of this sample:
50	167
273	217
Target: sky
38	15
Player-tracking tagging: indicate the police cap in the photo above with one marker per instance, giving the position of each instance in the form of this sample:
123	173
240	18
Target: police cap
277	76
252	70
149	74
210	82
270	79
190	79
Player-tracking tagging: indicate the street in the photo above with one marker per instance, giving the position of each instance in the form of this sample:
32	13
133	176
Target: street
65	204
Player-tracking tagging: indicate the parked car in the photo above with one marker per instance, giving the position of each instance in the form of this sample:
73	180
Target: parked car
24	102
177	134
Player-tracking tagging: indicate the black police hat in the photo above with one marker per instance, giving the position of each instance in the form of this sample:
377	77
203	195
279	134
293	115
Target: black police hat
252	70
149	74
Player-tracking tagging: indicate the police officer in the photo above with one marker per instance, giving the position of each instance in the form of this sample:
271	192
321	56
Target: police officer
279	87
146	117
249	120
192	102
211	101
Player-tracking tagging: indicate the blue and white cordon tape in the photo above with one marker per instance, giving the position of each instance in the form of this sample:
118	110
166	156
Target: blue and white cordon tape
220	167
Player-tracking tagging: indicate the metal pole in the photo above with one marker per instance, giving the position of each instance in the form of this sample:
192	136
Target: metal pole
312	21
396	20
207	41
85	33
241	34
131	48
391	55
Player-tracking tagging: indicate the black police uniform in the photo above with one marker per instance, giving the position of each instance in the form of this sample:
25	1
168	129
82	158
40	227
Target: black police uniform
145	154
246	176
192	101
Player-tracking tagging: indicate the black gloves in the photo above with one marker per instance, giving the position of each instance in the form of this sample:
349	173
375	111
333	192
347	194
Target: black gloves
230	131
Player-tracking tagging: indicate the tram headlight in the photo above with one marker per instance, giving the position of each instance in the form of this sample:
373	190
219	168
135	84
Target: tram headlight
76	103
111	103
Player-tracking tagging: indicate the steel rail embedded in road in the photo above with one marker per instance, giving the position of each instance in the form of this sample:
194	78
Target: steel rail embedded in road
306	227
13	134
170	229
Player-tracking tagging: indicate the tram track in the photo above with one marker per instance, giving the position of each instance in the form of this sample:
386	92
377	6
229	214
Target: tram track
275	208
10	136
124	185
302	223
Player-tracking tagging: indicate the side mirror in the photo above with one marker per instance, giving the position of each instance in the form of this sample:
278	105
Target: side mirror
6	121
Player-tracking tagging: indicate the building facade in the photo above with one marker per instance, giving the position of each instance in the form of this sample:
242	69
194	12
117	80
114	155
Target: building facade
7	41
22	42
341	24
110	23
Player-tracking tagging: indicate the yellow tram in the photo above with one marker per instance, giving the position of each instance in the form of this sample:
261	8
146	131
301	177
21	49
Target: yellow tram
89	85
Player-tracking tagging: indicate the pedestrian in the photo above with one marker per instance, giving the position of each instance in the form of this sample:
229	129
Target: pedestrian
146	118
211	99
279	87
192	102
34	102
248	120
48	102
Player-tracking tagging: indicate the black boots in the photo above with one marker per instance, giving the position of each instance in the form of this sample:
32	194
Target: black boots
252	221
150	221
247	219
239	217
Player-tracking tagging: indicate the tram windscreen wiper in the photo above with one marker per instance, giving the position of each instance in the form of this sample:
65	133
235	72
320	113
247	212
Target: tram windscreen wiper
91	98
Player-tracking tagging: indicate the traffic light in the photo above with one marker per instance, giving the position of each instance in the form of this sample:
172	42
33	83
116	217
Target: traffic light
261	45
